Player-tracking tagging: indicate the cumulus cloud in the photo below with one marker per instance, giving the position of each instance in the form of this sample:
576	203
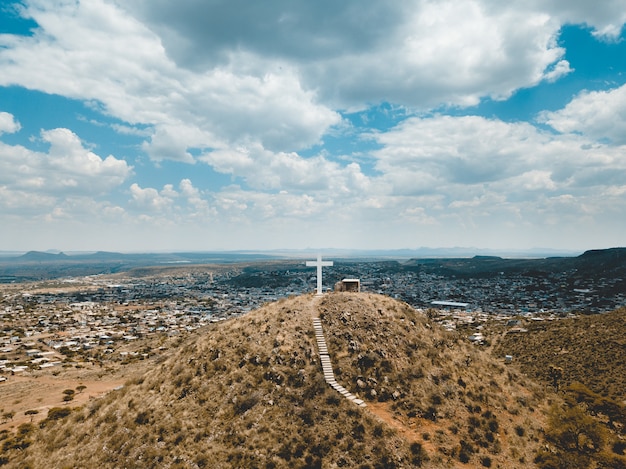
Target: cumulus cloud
262	169
80	50
418	53
270	75
8	124
599	115
255	89
35	183
170	205
150	199
470	160
67	167
606	18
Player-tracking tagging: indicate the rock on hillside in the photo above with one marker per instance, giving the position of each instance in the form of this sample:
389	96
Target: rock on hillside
250	392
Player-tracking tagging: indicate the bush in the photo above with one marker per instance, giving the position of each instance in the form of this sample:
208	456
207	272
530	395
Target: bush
246	404
466	452
619	447
418	454
57	413
142	418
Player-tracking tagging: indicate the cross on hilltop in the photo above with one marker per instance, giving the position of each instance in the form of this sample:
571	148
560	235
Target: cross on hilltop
319	264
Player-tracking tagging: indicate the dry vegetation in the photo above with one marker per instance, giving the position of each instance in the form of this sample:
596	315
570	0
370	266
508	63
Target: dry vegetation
581	359
459	404
250	393
588	349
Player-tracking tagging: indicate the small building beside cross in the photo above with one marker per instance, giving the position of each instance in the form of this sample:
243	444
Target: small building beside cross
319	264
348	285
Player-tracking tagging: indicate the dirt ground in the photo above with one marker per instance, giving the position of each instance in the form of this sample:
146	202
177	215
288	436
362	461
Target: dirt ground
41	391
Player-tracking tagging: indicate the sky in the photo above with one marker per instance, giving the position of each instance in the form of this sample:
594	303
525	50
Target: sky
200	125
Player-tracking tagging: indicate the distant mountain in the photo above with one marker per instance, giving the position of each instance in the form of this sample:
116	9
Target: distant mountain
466	263
611	262
38	256
604	257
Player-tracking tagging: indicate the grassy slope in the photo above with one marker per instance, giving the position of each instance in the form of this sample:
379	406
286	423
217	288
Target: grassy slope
250	393
590	349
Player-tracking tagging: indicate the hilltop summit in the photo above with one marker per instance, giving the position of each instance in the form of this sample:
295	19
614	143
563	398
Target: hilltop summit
250	392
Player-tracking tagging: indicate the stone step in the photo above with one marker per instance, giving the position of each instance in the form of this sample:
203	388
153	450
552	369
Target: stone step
327	366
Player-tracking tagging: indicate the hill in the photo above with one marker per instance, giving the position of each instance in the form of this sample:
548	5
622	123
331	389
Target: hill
594	263
581	359
588	349
250	392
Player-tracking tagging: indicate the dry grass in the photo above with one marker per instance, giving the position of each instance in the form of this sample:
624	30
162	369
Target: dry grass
250	393
589	349
581	360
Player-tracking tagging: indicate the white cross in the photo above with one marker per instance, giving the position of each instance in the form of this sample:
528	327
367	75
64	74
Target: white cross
319	264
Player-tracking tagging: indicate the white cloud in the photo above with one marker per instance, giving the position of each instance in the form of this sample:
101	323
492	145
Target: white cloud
269	75
67	168
151	200
82	51
606	17
263	169
417	53
8	124
246	87
63	183
480	166
599	115
187	205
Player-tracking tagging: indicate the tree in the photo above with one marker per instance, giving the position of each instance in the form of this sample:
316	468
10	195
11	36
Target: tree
555	373
32	413
81	388
576	437
68	395
596	404
573	430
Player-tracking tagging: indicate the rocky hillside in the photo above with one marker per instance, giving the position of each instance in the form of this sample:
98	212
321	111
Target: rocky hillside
587	349
581	359
250	392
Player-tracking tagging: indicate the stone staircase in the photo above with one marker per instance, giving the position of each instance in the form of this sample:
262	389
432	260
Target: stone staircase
327	366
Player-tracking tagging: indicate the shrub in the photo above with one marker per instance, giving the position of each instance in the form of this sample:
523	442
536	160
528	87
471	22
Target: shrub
57	413
473	421
493	425
142	418
418	454
619	447
245	404
466	451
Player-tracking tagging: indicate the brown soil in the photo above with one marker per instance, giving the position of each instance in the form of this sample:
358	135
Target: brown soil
41	392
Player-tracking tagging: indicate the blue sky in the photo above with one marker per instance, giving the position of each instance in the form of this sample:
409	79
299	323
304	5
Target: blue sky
143	125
